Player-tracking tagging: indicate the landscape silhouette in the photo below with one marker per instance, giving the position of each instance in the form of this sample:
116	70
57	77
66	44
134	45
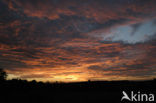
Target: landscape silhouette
17	90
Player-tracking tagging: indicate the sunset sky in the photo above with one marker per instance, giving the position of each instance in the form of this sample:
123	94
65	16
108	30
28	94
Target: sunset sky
78	40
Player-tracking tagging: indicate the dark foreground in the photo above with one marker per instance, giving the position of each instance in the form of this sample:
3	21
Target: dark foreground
20	91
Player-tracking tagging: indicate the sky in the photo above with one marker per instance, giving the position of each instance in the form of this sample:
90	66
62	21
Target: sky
78	40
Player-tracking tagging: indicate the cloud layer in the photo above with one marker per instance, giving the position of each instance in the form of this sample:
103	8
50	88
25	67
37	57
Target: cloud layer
77	40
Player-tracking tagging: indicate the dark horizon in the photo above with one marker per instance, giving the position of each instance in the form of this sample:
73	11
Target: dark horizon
83	81
90	92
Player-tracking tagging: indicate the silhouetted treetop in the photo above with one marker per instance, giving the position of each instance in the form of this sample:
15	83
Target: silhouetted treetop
3	74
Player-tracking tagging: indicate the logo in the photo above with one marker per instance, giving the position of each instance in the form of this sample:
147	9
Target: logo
137	96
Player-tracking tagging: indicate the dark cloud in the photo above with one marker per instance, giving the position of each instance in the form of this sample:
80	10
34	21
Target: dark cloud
32	76
135	27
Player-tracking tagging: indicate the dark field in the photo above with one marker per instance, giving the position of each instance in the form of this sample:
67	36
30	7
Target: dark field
82	92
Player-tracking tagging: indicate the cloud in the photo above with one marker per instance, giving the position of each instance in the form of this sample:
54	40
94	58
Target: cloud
130	63
135	27
89	39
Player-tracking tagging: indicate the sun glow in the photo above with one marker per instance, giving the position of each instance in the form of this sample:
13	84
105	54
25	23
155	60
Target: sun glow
67	78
